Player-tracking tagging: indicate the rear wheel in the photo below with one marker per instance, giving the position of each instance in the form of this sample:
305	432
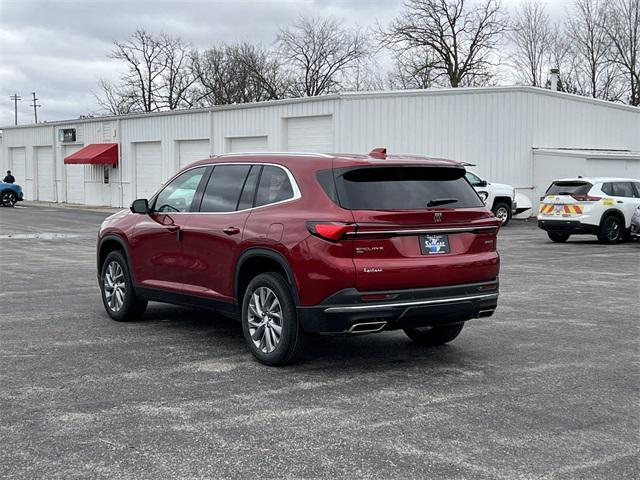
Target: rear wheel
119	298
8	199
611	230
269	321
558	237
434	335
502	211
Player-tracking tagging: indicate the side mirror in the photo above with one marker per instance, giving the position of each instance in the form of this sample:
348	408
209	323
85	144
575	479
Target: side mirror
482	183
140	206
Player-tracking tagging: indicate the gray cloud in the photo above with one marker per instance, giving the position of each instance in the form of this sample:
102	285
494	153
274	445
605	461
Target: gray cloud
59	48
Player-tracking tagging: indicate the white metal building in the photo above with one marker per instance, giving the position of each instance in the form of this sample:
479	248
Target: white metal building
522	136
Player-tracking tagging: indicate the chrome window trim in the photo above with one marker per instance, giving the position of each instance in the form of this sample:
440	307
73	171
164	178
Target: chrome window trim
294	186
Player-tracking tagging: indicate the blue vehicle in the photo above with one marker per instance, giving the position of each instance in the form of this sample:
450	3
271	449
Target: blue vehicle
10	194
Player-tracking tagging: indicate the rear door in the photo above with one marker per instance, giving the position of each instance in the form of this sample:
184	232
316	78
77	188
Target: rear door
626	198
213	233
417	227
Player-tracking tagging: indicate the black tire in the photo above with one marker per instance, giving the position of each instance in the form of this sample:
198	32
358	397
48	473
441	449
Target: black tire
291	341
132	307
434	335
502	210
611	230
558	237
9	199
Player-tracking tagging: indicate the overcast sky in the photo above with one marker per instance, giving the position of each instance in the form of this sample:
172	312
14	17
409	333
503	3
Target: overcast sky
59	48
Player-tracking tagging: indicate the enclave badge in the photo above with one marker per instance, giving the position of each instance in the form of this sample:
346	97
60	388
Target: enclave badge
437	217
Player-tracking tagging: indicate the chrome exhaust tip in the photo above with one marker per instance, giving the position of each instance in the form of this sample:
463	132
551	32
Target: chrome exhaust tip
486	313
368	327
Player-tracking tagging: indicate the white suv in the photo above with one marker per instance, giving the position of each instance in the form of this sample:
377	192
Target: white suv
500	198
598	206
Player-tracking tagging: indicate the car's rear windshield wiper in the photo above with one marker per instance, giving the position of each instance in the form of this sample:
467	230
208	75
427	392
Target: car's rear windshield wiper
441	201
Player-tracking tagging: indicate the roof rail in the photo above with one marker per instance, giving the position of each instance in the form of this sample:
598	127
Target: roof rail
298	154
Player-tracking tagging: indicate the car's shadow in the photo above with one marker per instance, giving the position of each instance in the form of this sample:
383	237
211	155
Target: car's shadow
208	331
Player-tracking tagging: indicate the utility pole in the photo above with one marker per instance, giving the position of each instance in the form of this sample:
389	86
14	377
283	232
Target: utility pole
35	106
15	97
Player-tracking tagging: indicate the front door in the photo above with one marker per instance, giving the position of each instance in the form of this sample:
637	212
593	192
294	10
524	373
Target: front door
156	245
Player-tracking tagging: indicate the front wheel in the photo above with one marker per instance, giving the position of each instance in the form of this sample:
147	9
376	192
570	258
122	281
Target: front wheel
9	199
611	230
119	298
558	237
269	321
434	335
502	211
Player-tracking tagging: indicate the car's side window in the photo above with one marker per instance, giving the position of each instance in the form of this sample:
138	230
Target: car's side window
222	193
607	188
249	189
637	185
274	186
473	179
178	195
623	189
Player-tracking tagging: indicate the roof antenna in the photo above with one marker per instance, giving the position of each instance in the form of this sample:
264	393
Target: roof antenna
380	153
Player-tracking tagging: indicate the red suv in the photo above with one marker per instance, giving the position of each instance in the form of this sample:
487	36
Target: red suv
292	244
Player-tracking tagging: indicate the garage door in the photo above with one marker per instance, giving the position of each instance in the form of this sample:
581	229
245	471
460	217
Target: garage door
192	150
310	134
74	178
148	160
44	172
248	144
19	165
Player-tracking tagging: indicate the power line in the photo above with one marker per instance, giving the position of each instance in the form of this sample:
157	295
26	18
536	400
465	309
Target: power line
15	97
35	106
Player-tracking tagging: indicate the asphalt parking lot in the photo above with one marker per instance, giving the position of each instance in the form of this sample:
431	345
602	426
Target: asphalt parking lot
547	388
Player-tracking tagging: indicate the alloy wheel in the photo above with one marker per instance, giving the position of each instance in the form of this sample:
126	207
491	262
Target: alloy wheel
613	230
502	214
115	289
265	319
8	199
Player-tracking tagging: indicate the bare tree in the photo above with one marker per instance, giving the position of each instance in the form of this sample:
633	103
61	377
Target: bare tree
461	40
412	69
157	77
113	99
238	73
177	79
623	29
320	53
591	47
531	35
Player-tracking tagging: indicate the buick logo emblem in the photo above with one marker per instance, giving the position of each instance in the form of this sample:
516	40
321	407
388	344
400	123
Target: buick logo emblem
437	217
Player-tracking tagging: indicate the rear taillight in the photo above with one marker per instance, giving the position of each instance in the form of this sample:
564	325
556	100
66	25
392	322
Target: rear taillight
331	231
586	198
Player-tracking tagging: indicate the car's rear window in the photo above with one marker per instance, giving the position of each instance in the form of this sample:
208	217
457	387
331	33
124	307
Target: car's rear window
399	188
569	188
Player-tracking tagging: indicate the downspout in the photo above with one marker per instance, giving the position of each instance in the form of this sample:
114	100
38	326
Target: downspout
54	149
120	170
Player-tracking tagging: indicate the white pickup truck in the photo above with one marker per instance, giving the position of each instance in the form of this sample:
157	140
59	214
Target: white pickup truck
500	198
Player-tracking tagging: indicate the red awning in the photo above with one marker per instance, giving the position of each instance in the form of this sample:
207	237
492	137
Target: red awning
95	154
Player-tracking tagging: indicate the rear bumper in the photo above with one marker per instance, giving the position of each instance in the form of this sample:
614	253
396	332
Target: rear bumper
567	226
346	312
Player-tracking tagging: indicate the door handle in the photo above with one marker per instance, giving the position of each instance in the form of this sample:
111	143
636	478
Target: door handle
231	230
620	201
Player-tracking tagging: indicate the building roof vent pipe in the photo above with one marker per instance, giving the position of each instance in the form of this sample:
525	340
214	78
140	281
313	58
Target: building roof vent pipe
555	78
